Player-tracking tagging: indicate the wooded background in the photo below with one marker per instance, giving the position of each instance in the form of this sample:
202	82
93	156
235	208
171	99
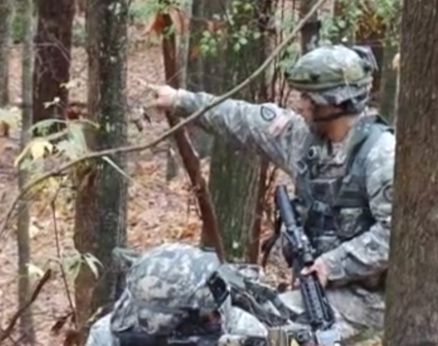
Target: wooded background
73	78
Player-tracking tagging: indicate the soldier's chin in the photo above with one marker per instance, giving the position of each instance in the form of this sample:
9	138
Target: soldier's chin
318	129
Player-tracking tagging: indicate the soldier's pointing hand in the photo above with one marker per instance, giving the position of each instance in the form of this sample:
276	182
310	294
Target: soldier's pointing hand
162	97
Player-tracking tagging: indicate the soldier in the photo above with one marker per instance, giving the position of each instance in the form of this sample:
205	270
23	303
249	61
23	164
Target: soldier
341	157
167	301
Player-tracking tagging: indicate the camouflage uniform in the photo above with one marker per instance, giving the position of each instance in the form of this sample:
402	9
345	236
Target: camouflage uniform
162	286
355	249
349	215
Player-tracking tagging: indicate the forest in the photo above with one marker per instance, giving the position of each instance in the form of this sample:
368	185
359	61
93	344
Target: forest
98	158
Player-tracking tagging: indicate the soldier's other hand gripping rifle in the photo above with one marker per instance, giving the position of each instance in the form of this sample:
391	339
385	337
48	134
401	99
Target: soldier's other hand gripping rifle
300	255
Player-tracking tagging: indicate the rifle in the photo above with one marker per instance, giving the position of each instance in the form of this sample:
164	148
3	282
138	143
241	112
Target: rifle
318	310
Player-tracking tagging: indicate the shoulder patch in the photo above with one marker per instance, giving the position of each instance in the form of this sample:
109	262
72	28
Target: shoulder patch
267	113
387	193
278	125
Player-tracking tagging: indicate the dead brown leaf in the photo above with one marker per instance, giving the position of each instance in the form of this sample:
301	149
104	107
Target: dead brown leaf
72	338
179	19
4	129
156	24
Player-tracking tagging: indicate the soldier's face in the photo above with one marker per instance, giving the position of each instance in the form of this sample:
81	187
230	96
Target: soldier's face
313	112
321	128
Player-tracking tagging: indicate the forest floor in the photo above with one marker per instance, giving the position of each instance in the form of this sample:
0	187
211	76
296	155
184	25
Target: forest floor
159	211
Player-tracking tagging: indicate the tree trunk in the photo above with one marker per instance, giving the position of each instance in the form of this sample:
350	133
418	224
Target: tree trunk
367	28
310	31
253	244
390	71
201	139
101	205
52	58
183	42
412	302
188	154
234	182
397	90
189	76
81	6
389	82
5	40
24	9
194	75
235	173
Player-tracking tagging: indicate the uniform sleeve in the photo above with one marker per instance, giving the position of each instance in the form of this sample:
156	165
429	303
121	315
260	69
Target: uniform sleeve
276	133
367	255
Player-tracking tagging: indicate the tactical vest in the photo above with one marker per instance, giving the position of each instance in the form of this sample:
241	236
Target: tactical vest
336	209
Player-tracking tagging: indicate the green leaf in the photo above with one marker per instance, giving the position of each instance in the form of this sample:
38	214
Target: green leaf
36	149
119	169
72	264
256	35
248	7
78	142
34	270
10	116
243	41
43	126
92	263
67	148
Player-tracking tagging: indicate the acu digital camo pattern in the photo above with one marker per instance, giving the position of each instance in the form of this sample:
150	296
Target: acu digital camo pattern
162	285
330	67
358	261
331	75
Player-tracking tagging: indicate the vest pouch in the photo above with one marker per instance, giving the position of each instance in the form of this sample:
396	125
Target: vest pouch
321	217
326	241
325	190
352	222
351	193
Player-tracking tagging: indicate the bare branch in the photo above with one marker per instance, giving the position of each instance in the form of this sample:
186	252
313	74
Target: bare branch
210	228
7	332
58	253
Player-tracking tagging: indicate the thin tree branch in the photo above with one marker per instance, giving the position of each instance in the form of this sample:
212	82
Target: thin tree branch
210	227
7	332
58	253
171	131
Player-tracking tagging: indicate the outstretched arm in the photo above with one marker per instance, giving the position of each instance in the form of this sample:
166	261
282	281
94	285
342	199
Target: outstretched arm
276	133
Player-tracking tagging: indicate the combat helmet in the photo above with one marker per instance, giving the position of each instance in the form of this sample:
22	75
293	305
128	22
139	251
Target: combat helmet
335	75
164	287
